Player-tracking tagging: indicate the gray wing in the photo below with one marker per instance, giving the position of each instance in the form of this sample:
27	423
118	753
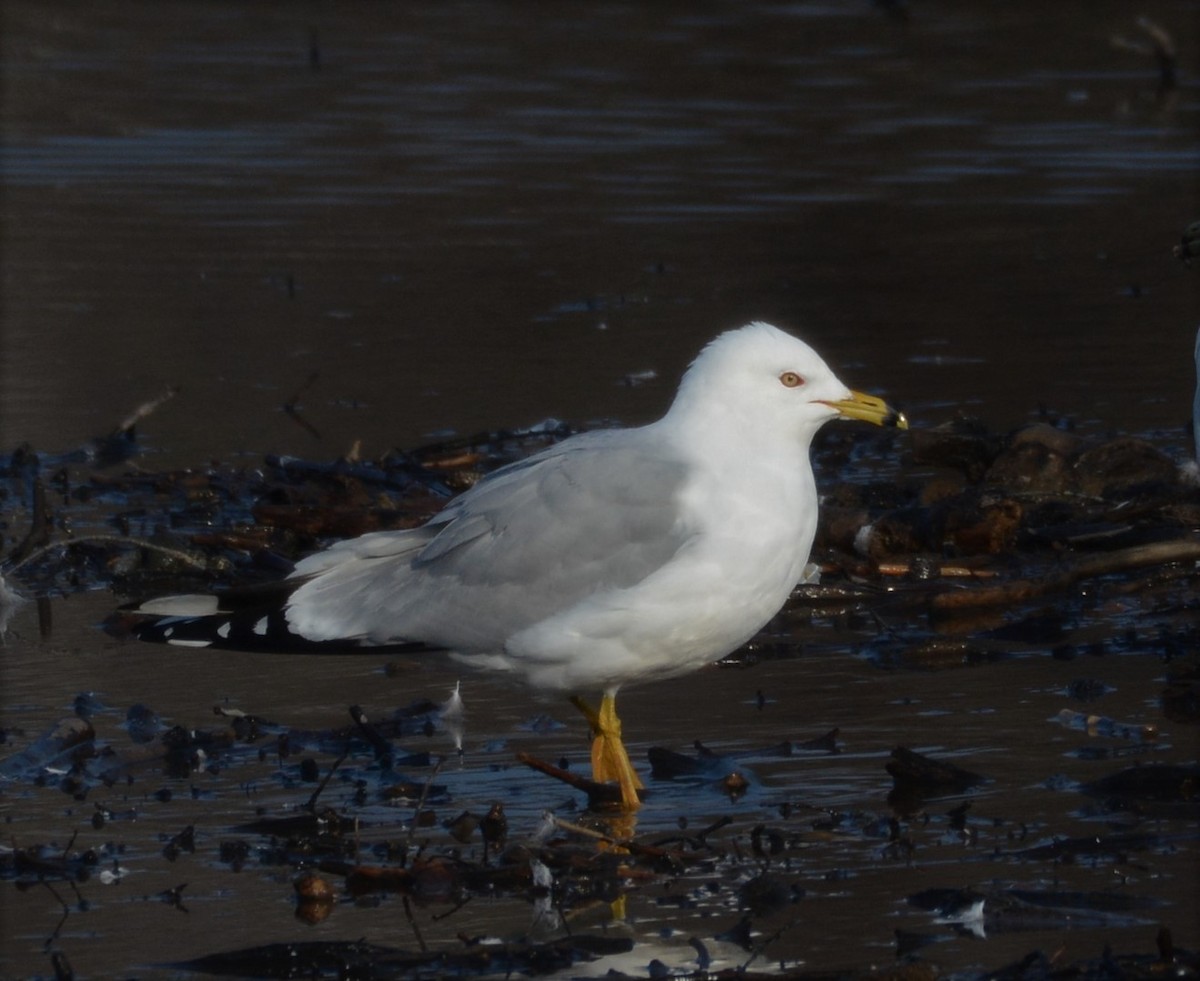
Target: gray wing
598	511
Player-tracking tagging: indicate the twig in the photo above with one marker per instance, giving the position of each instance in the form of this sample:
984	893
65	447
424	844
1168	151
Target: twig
700	838
629	844
66	912
412	922
579	829
174	553
421	802
450	912
767	941
603	792
1136	557
905	568
293	410
312	801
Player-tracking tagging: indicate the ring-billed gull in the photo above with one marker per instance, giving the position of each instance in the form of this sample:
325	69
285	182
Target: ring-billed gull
614	556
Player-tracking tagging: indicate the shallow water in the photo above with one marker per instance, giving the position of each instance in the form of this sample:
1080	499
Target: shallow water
424	219
470	216
851	880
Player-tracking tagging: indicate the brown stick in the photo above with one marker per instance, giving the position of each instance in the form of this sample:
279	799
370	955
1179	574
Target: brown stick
904	568
1136	557
595	791
631	846
172	553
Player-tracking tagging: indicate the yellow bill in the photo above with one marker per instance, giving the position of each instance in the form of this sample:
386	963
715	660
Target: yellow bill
868	408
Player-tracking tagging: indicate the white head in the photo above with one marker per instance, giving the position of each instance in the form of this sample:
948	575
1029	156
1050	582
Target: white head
760	378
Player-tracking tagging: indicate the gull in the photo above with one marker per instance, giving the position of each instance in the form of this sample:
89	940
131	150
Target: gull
612	557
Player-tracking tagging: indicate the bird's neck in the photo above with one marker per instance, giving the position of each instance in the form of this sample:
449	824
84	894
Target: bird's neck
752	495
730	440
743	468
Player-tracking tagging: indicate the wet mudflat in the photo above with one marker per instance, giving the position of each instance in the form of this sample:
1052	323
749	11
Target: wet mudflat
924	763
399	227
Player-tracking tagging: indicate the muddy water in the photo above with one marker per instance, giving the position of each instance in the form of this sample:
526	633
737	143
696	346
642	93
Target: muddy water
464	216
447	218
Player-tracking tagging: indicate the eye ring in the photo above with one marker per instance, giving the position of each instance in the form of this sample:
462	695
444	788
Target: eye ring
789	379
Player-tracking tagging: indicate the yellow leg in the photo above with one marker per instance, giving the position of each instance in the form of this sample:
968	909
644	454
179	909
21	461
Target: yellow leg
610	761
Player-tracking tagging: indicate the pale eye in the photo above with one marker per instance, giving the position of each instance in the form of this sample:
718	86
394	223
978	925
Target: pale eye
789	379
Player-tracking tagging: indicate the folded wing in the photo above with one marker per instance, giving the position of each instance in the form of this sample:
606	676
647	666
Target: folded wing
529	541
